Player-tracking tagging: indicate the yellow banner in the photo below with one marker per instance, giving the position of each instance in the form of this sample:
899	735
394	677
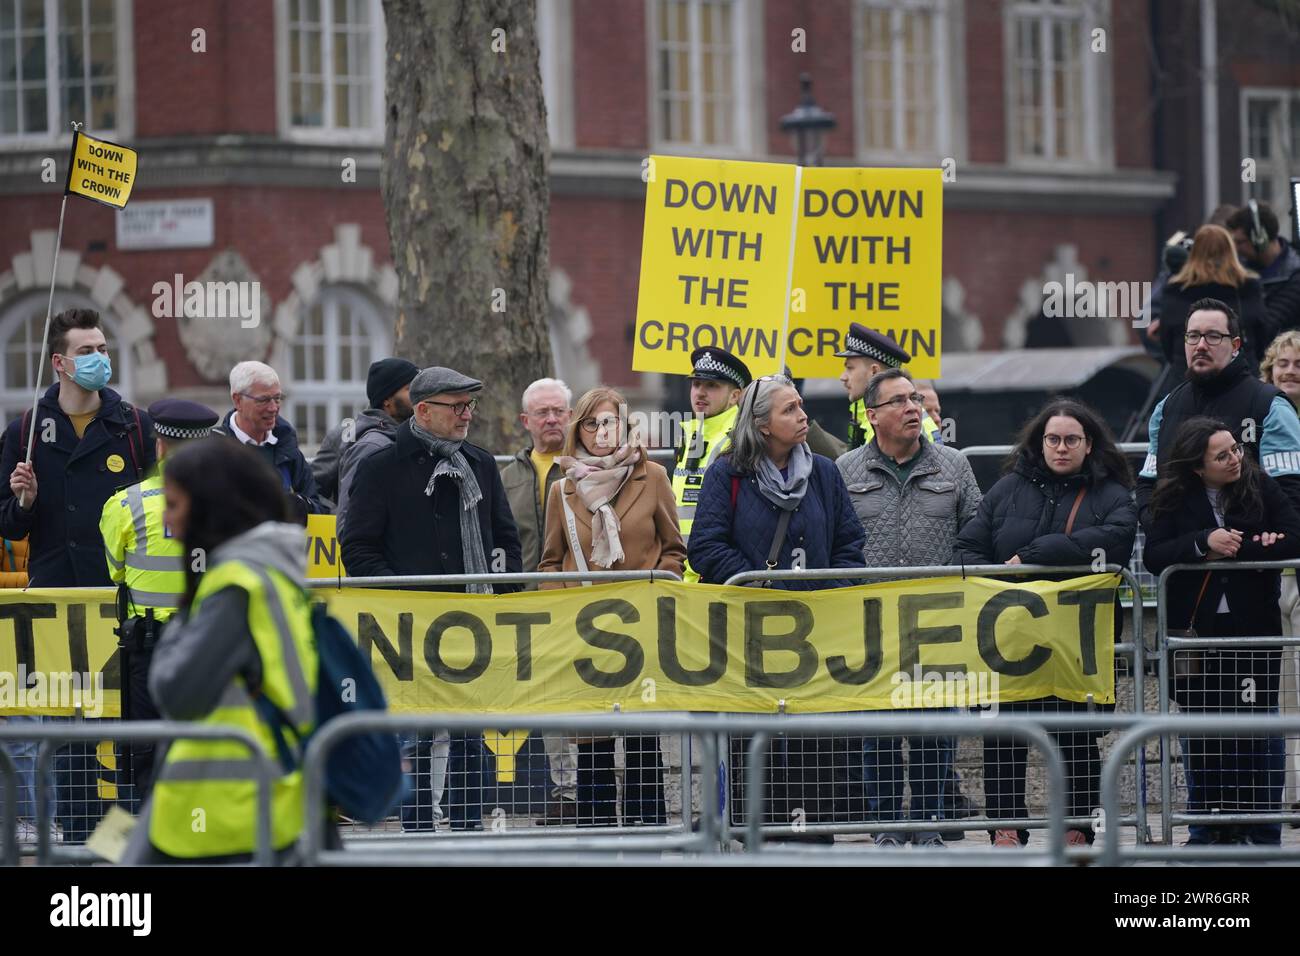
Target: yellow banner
100	170
715	257
869	249
939	642
324	557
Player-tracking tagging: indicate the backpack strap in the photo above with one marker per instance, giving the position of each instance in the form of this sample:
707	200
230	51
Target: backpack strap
137	430
735	490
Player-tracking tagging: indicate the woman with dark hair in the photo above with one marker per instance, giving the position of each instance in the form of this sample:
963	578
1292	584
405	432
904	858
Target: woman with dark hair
1212	271
1066	500
1213	503
241	643
766	499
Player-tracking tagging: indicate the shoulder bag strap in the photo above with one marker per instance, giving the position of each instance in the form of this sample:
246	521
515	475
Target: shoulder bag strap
1078	500
778	539
574	544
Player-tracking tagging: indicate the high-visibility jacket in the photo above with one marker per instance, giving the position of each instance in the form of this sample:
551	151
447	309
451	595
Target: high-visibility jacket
219	777
861	430
140	549
701	443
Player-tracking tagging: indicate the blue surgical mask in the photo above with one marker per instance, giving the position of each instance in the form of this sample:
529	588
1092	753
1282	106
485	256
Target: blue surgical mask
92	371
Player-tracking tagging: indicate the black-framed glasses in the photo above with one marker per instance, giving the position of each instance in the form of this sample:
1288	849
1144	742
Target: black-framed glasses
457	408
1070	441
1212	338
1236	451
900	401
593	425
261	401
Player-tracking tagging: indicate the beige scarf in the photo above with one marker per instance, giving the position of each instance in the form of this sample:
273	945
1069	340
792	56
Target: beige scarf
598	481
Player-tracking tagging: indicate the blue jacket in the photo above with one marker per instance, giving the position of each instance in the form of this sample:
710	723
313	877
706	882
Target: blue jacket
74	477
295	474
825	526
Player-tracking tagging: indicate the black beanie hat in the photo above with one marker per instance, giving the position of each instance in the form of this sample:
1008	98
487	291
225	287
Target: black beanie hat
386	377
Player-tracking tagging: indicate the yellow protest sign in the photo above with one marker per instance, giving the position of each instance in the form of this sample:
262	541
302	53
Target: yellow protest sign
324	556
869	249
100	170
661	646
715	255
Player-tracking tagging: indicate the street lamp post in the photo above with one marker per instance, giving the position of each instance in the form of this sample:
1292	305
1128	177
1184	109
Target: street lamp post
808	123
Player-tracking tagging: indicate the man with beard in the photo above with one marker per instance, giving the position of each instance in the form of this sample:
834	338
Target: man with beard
1219	384
388	392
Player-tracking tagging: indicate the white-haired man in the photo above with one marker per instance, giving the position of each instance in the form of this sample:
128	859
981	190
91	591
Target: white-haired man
255	421
547	406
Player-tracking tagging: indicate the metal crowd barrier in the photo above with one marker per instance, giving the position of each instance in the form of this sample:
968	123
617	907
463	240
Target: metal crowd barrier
1135	649
1223	725
711	836
151	730
1166	647
428	829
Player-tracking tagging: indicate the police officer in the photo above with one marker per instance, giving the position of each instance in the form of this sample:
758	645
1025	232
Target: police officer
865	353
148	565
717	378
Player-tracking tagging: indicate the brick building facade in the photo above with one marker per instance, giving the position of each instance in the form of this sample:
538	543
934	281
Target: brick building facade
1054	136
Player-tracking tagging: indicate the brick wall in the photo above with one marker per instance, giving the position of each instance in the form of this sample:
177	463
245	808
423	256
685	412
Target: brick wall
610	74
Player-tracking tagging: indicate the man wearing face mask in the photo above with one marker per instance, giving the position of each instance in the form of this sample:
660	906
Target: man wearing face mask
88	444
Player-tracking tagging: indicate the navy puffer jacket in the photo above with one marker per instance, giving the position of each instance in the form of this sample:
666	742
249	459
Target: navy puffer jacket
1025	513
726	541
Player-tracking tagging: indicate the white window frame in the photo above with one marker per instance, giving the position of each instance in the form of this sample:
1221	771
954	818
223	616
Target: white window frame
329	134
1282	164
555	60
22	307
125	81
1097	134
949	55
748	123
331	390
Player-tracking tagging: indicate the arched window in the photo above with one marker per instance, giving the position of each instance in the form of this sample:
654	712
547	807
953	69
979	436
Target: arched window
340	334
21	323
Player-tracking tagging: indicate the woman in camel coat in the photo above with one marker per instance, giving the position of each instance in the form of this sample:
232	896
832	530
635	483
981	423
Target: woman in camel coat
624	519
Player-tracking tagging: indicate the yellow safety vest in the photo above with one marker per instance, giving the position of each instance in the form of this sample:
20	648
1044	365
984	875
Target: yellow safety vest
701	444
140	549
219	777
861	430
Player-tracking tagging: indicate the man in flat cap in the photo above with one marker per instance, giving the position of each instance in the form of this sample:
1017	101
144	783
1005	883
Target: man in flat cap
717	378
148	566
865	353
432	503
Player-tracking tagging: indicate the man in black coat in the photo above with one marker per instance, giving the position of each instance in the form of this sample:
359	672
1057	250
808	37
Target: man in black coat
88	444
432	503
1219	383
255	421
405	507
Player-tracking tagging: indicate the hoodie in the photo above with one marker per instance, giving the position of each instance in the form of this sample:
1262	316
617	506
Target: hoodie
375	430
200	654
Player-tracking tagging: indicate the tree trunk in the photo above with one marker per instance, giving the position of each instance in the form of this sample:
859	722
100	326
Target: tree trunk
466	192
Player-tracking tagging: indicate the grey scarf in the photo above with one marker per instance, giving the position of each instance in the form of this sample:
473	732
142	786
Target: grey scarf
452	464
786	493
